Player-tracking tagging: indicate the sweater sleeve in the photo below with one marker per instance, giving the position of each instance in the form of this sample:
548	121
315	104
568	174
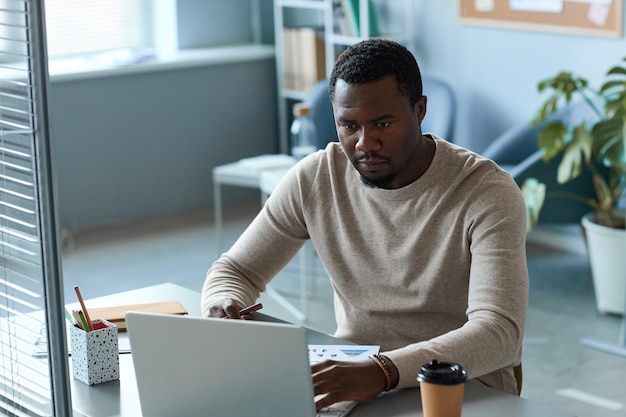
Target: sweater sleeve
264	248
489	343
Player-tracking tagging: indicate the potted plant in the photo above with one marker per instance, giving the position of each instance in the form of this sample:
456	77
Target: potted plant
596	146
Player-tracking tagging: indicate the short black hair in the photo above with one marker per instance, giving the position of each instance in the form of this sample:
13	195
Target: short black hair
373	59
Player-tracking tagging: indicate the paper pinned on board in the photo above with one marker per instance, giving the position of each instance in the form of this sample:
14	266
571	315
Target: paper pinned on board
598	13
544	6
484	5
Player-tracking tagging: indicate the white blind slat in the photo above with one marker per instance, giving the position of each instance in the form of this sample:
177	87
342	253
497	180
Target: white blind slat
77	27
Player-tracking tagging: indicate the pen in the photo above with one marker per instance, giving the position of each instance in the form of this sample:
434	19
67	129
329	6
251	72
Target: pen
250	309
80	319
82	305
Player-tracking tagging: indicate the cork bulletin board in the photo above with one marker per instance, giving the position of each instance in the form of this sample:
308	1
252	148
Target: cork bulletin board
581	17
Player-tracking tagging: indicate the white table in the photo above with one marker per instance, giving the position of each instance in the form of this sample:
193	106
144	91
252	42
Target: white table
263	174
121	398
242	174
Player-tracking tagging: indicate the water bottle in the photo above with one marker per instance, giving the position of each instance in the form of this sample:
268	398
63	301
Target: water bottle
303	133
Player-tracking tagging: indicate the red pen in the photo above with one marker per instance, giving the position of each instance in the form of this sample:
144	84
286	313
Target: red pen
250	309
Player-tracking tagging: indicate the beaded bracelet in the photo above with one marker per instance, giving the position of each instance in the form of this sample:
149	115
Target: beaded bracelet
382	363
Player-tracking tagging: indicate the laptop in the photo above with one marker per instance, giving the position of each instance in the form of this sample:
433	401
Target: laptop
189	366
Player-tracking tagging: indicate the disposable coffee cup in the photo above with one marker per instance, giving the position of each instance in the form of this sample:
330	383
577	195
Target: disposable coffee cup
442	385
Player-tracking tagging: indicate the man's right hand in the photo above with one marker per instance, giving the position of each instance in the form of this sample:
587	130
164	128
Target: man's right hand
227	308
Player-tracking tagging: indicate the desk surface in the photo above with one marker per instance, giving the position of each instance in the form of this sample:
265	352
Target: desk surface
247	172
120	398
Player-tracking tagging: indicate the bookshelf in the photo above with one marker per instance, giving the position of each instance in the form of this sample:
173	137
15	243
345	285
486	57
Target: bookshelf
309	34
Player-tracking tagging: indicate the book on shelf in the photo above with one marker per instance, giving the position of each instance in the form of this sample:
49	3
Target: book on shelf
312	58
290	60
353	14
304	58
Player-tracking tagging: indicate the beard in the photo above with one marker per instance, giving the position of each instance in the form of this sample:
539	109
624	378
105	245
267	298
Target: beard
379	182
374	181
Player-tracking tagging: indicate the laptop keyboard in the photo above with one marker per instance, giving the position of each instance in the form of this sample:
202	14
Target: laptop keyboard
337	410
331	412
327	412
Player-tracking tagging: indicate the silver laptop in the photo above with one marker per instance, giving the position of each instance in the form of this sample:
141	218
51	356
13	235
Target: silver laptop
188	366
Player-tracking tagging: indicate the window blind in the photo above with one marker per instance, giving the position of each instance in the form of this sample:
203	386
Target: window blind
79	27
33	364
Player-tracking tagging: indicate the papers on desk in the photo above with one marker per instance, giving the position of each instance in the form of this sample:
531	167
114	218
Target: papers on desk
116	314
263	162
349	353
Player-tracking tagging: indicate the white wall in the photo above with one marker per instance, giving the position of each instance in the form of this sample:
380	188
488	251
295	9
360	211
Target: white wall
494	71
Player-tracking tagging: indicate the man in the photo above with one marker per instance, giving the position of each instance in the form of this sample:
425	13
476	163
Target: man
423	241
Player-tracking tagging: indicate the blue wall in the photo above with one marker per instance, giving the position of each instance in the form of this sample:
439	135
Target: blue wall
494	71
137	145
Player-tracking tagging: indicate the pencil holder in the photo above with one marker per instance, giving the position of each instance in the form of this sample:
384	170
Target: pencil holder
95	357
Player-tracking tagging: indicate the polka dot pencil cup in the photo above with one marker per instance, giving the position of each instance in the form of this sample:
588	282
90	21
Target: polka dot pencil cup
95	357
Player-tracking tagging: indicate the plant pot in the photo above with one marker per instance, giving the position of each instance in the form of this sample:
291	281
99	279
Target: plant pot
606	247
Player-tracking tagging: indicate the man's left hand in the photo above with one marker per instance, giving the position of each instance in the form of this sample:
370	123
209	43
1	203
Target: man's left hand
335	381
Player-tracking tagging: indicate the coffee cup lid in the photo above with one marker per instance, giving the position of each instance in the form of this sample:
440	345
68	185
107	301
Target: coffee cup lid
443	373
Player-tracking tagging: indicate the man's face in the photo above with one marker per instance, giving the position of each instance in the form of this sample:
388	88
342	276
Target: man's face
379	131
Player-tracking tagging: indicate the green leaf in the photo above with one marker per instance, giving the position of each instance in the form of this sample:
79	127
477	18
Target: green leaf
576	155
564	83
551	139
546	109
542	85
614	107
534	193
612	84
582	141
571	165
617	70
608	142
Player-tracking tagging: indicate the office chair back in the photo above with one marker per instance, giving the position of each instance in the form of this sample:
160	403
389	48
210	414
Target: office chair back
322	114
440	108
440	115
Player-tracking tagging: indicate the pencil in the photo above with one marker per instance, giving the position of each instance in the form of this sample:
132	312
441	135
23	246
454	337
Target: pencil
82	305
81	320
250	309
69	316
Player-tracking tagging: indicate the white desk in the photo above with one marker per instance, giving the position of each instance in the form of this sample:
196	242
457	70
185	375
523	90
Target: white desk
240	174
120	398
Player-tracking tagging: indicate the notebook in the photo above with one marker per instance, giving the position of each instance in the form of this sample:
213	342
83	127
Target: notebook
189	366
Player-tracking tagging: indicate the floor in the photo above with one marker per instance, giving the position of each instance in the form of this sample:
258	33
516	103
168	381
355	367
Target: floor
558	370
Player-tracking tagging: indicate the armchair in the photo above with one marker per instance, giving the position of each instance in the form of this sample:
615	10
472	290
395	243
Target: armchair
516	151
441	108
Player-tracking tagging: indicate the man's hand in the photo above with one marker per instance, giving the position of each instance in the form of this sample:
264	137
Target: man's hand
228	309
335	381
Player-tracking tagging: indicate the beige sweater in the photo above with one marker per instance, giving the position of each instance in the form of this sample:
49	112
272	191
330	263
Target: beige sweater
434	270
